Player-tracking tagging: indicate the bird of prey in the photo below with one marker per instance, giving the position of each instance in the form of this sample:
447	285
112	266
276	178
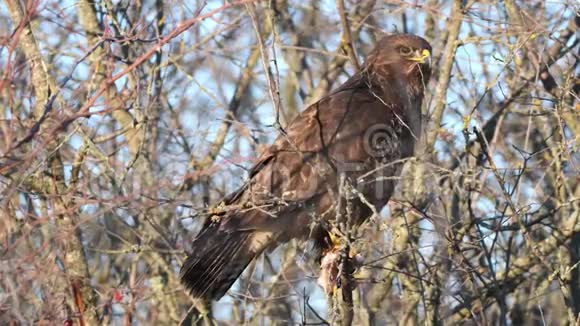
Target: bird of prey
356	138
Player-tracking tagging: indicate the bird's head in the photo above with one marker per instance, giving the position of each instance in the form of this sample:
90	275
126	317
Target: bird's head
401	55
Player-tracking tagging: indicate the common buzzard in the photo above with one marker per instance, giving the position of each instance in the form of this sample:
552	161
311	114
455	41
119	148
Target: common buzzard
350	144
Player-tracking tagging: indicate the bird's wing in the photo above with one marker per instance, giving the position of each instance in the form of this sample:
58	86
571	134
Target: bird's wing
293	178
302	163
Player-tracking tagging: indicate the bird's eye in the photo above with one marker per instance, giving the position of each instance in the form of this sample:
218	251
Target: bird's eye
405	51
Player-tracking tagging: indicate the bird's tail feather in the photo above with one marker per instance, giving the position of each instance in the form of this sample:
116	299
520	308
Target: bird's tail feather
216	261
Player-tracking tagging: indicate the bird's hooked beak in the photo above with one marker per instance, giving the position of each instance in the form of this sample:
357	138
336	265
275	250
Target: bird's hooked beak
424	56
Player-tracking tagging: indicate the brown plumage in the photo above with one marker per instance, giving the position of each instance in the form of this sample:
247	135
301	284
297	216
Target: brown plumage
362	131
